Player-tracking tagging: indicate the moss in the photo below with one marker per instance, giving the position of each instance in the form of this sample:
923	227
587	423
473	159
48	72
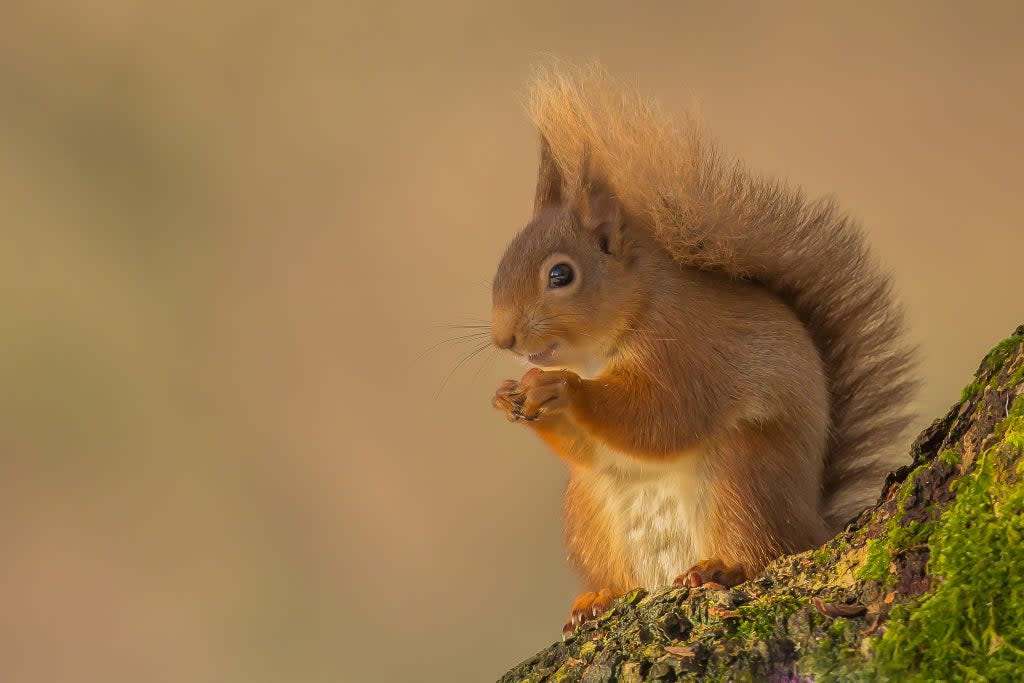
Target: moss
971	390
836	656
588	648
878	552
908	487
991	365
1011	430
560	675
633	597
822	555
876	561
971	625
651	652
905	537
950	457
1001	352
896	535
762	618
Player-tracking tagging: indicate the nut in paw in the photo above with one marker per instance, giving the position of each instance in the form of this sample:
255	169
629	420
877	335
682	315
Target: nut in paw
509	399
538	393
546	392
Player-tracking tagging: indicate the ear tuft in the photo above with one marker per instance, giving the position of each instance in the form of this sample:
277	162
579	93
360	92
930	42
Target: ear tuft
549	180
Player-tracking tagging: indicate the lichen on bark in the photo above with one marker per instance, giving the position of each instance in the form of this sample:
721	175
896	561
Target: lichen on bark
926	585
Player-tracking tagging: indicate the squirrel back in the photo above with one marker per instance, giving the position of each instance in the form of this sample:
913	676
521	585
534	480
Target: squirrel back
710	213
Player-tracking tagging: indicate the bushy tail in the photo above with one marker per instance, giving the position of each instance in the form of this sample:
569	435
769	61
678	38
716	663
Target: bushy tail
712	213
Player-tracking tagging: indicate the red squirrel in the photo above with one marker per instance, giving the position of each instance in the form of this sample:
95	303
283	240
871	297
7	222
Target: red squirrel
718	360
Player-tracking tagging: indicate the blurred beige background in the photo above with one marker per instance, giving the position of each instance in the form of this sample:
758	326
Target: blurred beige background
230	229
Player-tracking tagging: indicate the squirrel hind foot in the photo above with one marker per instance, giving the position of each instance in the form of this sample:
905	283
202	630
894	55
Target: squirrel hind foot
713	574
587	606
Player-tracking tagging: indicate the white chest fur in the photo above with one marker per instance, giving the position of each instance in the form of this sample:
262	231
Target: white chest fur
659	511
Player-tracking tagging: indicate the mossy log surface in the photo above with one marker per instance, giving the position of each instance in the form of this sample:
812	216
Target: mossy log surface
927	585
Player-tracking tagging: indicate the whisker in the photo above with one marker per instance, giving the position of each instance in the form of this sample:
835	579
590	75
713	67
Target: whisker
462	362
467	327
488	360
465	317
460	339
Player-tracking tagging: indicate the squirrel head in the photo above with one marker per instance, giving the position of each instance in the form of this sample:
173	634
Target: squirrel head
563	290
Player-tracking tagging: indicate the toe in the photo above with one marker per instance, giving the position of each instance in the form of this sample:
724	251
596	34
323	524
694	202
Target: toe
713	574
602	602
541	399
587	606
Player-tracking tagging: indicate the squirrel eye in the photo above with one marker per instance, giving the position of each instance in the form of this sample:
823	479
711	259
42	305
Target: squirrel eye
560	275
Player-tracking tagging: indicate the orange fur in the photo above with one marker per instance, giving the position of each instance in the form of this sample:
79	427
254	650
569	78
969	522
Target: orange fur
594	547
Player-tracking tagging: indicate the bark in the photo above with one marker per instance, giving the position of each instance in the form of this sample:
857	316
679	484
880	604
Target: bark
927	585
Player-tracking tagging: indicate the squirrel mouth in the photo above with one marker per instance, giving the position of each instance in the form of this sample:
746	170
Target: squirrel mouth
542	357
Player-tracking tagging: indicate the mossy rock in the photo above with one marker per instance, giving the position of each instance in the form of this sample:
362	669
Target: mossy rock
928	585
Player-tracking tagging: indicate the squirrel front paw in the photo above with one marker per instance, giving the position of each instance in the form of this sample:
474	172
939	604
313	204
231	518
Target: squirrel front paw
539	393
509	399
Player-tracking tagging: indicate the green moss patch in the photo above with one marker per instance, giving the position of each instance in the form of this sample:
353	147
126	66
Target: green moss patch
971	625
898	534
876	561
763	617
836	656
992	364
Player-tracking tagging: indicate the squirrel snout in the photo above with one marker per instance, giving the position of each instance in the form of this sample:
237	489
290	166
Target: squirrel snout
503	340
503	328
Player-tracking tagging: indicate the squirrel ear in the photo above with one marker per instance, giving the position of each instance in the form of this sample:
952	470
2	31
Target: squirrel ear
599	211
601	215
594	205
549	180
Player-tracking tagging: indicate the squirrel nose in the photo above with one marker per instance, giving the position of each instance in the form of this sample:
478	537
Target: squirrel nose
503	328
504	341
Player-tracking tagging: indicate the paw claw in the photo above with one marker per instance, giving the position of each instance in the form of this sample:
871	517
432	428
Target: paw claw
587	606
